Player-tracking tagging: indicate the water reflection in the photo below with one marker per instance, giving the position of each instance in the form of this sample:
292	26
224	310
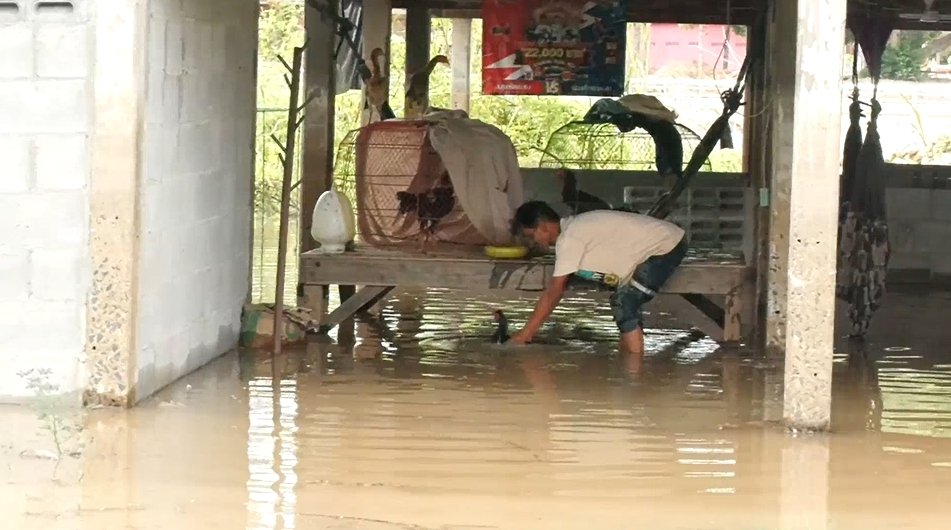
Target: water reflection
272	452
415	416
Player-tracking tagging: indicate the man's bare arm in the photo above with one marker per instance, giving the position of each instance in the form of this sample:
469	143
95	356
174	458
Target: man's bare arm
543	308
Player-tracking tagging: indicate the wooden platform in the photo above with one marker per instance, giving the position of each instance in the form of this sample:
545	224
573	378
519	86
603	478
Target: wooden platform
701	279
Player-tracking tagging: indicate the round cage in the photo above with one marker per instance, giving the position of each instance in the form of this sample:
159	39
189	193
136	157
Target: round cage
401	191
583	145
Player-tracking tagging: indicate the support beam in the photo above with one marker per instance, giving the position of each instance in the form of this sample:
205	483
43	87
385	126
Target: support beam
461	57
377	24
363	299
317	147
815	29
318	137
782	65
418	29
756	136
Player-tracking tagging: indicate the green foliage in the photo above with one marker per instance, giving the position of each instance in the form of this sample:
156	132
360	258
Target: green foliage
905	56
57	416
528	120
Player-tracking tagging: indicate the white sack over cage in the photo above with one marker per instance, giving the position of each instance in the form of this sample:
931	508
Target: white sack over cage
397	155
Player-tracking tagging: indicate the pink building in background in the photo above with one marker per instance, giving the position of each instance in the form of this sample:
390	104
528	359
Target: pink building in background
682	49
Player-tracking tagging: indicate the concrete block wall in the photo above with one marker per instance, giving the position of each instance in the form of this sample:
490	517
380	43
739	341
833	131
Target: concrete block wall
45	100
195	190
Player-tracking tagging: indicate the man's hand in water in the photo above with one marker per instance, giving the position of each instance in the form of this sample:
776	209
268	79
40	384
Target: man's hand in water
520	338
546	303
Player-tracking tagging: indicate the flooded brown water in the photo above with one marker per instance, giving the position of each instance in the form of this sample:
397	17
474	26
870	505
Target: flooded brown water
425	425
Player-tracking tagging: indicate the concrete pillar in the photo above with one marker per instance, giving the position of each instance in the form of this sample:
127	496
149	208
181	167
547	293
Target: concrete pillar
461	56
807	55
377	23
119	67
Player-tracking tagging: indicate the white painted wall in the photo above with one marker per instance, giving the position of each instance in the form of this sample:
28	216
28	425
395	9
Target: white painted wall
195	193
45	101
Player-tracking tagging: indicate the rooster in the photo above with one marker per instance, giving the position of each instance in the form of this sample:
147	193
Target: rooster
417	92
376	88
429	206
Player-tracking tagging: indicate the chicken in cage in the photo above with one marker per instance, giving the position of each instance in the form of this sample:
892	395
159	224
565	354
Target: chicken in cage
406	196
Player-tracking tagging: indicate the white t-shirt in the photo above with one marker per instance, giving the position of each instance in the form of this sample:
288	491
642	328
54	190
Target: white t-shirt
611	243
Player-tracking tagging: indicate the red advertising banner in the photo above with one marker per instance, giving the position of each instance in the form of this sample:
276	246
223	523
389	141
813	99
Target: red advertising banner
554	47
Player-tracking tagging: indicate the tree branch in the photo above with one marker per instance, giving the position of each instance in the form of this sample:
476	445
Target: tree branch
289	69
307	101
278	142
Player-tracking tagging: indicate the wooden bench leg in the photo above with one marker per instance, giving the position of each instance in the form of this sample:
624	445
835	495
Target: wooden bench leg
314	298
345	331
733	317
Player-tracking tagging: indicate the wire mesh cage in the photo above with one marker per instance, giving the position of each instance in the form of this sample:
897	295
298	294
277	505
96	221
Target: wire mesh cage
583	145
401	191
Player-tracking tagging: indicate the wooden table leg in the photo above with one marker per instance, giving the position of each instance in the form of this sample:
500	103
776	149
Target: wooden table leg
733	317
314	298
345	331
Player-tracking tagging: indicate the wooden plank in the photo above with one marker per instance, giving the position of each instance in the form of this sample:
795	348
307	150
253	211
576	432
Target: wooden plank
699	320
706	306
361	300
461	55
474	273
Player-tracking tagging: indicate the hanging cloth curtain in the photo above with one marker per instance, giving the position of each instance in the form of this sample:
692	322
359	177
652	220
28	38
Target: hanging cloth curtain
869	252
850	156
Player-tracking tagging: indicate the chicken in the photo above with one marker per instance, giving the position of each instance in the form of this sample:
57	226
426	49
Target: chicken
376	88
429	206
417	92
577	200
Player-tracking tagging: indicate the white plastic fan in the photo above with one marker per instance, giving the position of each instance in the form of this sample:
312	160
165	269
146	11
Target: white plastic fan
930	14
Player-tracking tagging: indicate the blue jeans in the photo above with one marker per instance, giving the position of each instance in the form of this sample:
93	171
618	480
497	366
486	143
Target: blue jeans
649	277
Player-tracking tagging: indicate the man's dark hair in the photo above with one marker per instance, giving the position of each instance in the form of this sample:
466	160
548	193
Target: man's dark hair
530	214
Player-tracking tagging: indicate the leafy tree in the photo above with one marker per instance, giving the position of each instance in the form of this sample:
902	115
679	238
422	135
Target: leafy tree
906	55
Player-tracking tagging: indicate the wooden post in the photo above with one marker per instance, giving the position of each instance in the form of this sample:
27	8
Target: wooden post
461	56
418	28
781	60
287	159
755	132
377	23
808	57
318	139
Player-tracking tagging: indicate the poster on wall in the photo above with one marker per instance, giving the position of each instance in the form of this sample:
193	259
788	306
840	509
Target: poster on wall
553	47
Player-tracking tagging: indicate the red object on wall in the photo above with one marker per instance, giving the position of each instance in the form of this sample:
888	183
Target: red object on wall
557	47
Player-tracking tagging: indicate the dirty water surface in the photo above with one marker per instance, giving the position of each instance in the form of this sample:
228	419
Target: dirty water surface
414	421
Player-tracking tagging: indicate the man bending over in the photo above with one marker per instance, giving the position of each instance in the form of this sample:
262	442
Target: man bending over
632	253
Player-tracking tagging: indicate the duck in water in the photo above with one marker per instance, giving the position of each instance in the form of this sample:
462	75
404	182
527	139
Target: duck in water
501	334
